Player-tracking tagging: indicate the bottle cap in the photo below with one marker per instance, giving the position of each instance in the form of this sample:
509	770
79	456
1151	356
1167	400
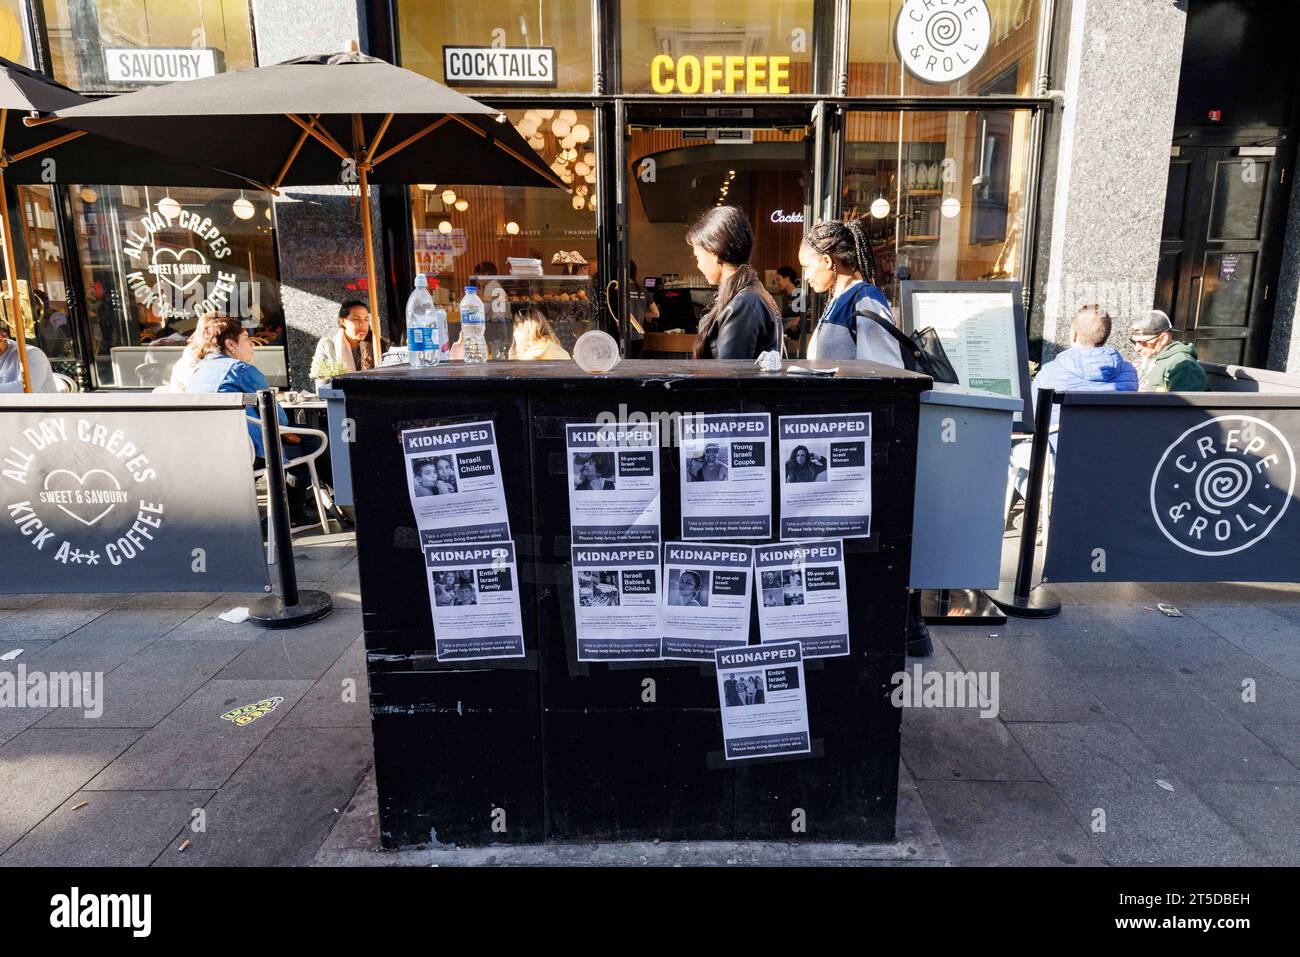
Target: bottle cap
421	280
470	290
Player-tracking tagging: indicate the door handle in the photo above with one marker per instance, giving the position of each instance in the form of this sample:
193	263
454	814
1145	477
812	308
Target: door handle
1200	290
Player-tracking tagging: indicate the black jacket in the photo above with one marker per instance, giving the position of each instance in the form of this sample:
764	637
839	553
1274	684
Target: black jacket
746	327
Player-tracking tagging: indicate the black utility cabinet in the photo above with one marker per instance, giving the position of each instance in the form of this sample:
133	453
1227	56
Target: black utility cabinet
546	748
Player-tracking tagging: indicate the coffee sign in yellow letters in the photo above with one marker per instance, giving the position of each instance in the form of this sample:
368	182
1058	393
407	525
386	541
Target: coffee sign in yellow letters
755	75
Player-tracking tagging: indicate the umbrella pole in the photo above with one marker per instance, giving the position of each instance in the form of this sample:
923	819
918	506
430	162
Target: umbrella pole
11	268
368	238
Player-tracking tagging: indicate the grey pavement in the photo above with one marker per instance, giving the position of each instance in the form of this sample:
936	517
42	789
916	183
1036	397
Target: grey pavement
1122	736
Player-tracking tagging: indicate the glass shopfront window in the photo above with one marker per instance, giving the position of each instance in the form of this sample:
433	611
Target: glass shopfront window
692	47
116	45
510	46
13	39
943	192
470	234
948	47
152	261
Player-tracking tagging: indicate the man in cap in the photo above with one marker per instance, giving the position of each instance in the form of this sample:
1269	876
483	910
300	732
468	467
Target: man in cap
1167	365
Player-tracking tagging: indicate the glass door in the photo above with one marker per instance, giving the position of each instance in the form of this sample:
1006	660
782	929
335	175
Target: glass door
680	166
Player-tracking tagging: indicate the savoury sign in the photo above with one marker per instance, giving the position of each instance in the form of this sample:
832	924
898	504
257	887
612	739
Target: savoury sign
127	501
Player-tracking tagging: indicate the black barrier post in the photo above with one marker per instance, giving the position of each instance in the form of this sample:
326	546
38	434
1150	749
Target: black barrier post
1021	599
291	607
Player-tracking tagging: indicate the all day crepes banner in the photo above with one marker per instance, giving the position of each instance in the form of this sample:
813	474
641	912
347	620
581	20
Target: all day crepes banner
128	501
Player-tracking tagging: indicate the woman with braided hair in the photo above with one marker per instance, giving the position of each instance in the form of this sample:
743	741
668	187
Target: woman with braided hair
836	258
743	320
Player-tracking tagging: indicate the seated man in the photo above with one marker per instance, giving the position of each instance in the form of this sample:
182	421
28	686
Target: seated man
1167	365
1089	365
39	370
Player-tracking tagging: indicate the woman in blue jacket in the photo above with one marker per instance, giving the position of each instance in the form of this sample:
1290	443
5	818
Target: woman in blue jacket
837	259
225	364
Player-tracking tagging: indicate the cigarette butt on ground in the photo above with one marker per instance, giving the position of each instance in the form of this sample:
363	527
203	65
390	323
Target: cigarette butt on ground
78	807
184	844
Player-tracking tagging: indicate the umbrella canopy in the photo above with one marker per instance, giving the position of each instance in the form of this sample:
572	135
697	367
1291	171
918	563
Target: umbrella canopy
81	157
78	157
253	121
321	119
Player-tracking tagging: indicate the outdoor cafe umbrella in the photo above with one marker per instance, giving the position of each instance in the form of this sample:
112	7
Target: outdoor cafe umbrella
323	119
47	156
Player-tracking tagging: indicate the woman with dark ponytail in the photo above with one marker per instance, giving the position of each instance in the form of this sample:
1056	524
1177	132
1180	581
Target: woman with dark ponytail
743	320
836	258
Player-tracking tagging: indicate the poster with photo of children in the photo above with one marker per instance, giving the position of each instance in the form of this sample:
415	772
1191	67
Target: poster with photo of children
725	483
616	602
474	597
454	481
706	598
803	596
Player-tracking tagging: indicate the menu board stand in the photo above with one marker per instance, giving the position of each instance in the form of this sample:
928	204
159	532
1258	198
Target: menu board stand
981	324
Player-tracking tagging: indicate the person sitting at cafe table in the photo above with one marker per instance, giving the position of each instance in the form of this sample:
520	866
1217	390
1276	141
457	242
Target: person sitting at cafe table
39	370
1167	365
836	258
743	320
534	338
1089	365
787	283
350	346
226	365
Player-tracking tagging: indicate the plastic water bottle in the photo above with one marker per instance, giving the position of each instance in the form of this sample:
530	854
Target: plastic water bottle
472	322
444	335
421	326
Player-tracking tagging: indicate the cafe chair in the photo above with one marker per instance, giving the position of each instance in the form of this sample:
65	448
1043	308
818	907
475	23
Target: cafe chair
1018	464
309	459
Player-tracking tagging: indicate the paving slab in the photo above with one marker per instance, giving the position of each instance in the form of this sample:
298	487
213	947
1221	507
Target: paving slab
1186	730
1259	631
109	640
280	805
1220	670
194	747
1283	738
49	619
1033	683
947	744
297	653
206	625
1102	768
113	829
1017	823
1267	814
41	768
148	686
332	704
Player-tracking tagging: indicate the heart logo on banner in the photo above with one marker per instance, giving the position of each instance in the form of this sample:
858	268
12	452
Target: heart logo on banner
179	257
79	512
